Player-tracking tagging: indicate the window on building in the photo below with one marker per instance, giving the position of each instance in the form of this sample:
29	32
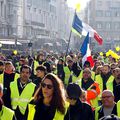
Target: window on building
1	8
99	25
41	16
108	3
52	9
108	25
107	13
118	3
35	9
117	25
39	11
99	3
99	13
28	7
117	14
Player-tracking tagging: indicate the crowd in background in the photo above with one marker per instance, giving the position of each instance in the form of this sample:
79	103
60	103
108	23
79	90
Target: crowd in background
51	86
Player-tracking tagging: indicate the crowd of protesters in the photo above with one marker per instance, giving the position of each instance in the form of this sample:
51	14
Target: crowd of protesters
51	86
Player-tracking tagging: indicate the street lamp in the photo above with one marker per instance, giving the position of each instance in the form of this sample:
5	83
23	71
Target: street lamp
15	37
30	44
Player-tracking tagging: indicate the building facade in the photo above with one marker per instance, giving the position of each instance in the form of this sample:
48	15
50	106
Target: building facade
104	17
3	19
38	21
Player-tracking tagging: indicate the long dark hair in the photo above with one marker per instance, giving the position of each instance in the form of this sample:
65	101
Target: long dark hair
58	99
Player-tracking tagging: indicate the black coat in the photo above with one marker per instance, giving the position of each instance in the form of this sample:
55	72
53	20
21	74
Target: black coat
80	111
101	113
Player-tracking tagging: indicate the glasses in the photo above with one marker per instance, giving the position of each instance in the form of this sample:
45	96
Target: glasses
86	72
46	85
71	98
103	97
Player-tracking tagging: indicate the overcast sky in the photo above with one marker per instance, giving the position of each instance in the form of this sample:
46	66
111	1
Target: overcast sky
72	3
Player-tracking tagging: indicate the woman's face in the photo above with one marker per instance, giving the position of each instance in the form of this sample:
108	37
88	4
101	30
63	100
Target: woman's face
9	67
47	88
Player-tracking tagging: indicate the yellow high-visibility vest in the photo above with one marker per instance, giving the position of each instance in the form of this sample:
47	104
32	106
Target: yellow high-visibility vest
2	77
36	64
57	116
94	102
118	108
99	80
21	100
7	114
69	73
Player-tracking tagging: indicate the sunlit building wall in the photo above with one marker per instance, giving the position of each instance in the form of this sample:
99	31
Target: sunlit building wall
104	17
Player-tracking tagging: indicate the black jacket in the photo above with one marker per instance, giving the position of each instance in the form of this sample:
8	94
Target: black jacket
43	112
80	111
101	113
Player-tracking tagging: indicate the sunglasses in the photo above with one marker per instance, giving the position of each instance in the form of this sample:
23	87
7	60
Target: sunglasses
46	85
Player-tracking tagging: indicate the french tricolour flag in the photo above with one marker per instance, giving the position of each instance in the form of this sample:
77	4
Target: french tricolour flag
80	27
86	52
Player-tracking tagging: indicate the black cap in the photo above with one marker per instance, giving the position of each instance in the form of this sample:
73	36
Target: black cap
74	91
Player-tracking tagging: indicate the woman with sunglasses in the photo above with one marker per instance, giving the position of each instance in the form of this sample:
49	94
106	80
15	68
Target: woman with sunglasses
49	100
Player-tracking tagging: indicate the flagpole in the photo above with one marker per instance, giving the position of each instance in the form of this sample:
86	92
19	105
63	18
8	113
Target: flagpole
69	37
89	22
68	42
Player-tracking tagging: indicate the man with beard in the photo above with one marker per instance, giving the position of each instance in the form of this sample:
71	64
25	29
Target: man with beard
91	87
114	85
104	77
20	92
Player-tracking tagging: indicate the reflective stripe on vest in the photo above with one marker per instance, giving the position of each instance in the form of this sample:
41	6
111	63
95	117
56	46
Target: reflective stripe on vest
7	114
22	100
57	116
